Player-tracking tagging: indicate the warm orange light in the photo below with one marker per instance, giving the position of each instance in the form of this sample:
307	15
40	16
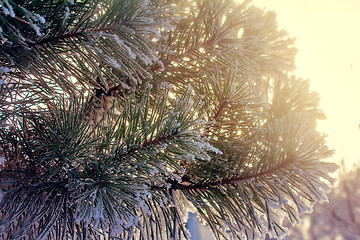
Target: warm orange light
328	39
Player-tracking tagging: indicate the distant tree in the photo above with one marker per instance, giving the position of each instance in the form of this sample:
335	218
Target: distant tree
119	116
339	217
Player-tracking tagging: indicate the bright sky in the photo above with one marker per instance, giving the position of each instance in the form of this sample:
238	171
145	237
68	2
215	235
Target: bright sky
328	40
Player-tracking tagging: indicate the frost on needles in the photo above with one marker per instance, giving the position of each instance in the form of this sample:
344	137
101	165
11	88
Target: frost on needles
119	117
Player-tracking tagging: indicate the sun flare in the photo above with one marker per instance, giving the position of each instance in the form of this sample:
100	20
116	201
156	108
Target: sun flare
329	55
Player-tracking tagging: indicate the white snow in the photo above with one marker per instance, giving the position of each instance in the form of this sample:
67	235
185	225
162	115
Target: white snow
40	18
37	29
4	69
113	62
8	10
67	13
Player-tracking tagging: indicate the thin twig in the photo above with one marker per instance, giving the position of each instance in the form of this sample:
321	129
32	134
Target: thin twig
176	185
19	19
223	104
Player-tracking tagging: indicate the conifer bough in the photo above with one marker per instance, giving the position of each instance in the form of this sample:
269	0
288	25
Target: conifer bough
119	117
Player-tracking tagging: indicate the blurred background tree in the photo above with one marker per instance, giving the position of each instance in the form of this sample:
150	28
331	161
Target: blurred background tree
339	218
119	117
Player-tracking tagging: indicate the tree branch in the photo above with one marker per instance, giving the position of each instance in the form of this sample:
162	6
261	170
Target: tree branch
70	35
148	143
176	185
223	104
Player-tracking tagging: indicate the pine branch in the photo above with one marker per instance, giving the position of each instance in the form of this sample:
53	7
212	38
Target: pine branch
97	152
212	121
17	18
59	38
70	35
273	170
148	144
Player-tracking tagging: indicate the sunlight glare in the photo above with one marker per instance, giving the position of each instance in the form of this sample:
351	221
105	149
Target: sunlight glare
329	55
